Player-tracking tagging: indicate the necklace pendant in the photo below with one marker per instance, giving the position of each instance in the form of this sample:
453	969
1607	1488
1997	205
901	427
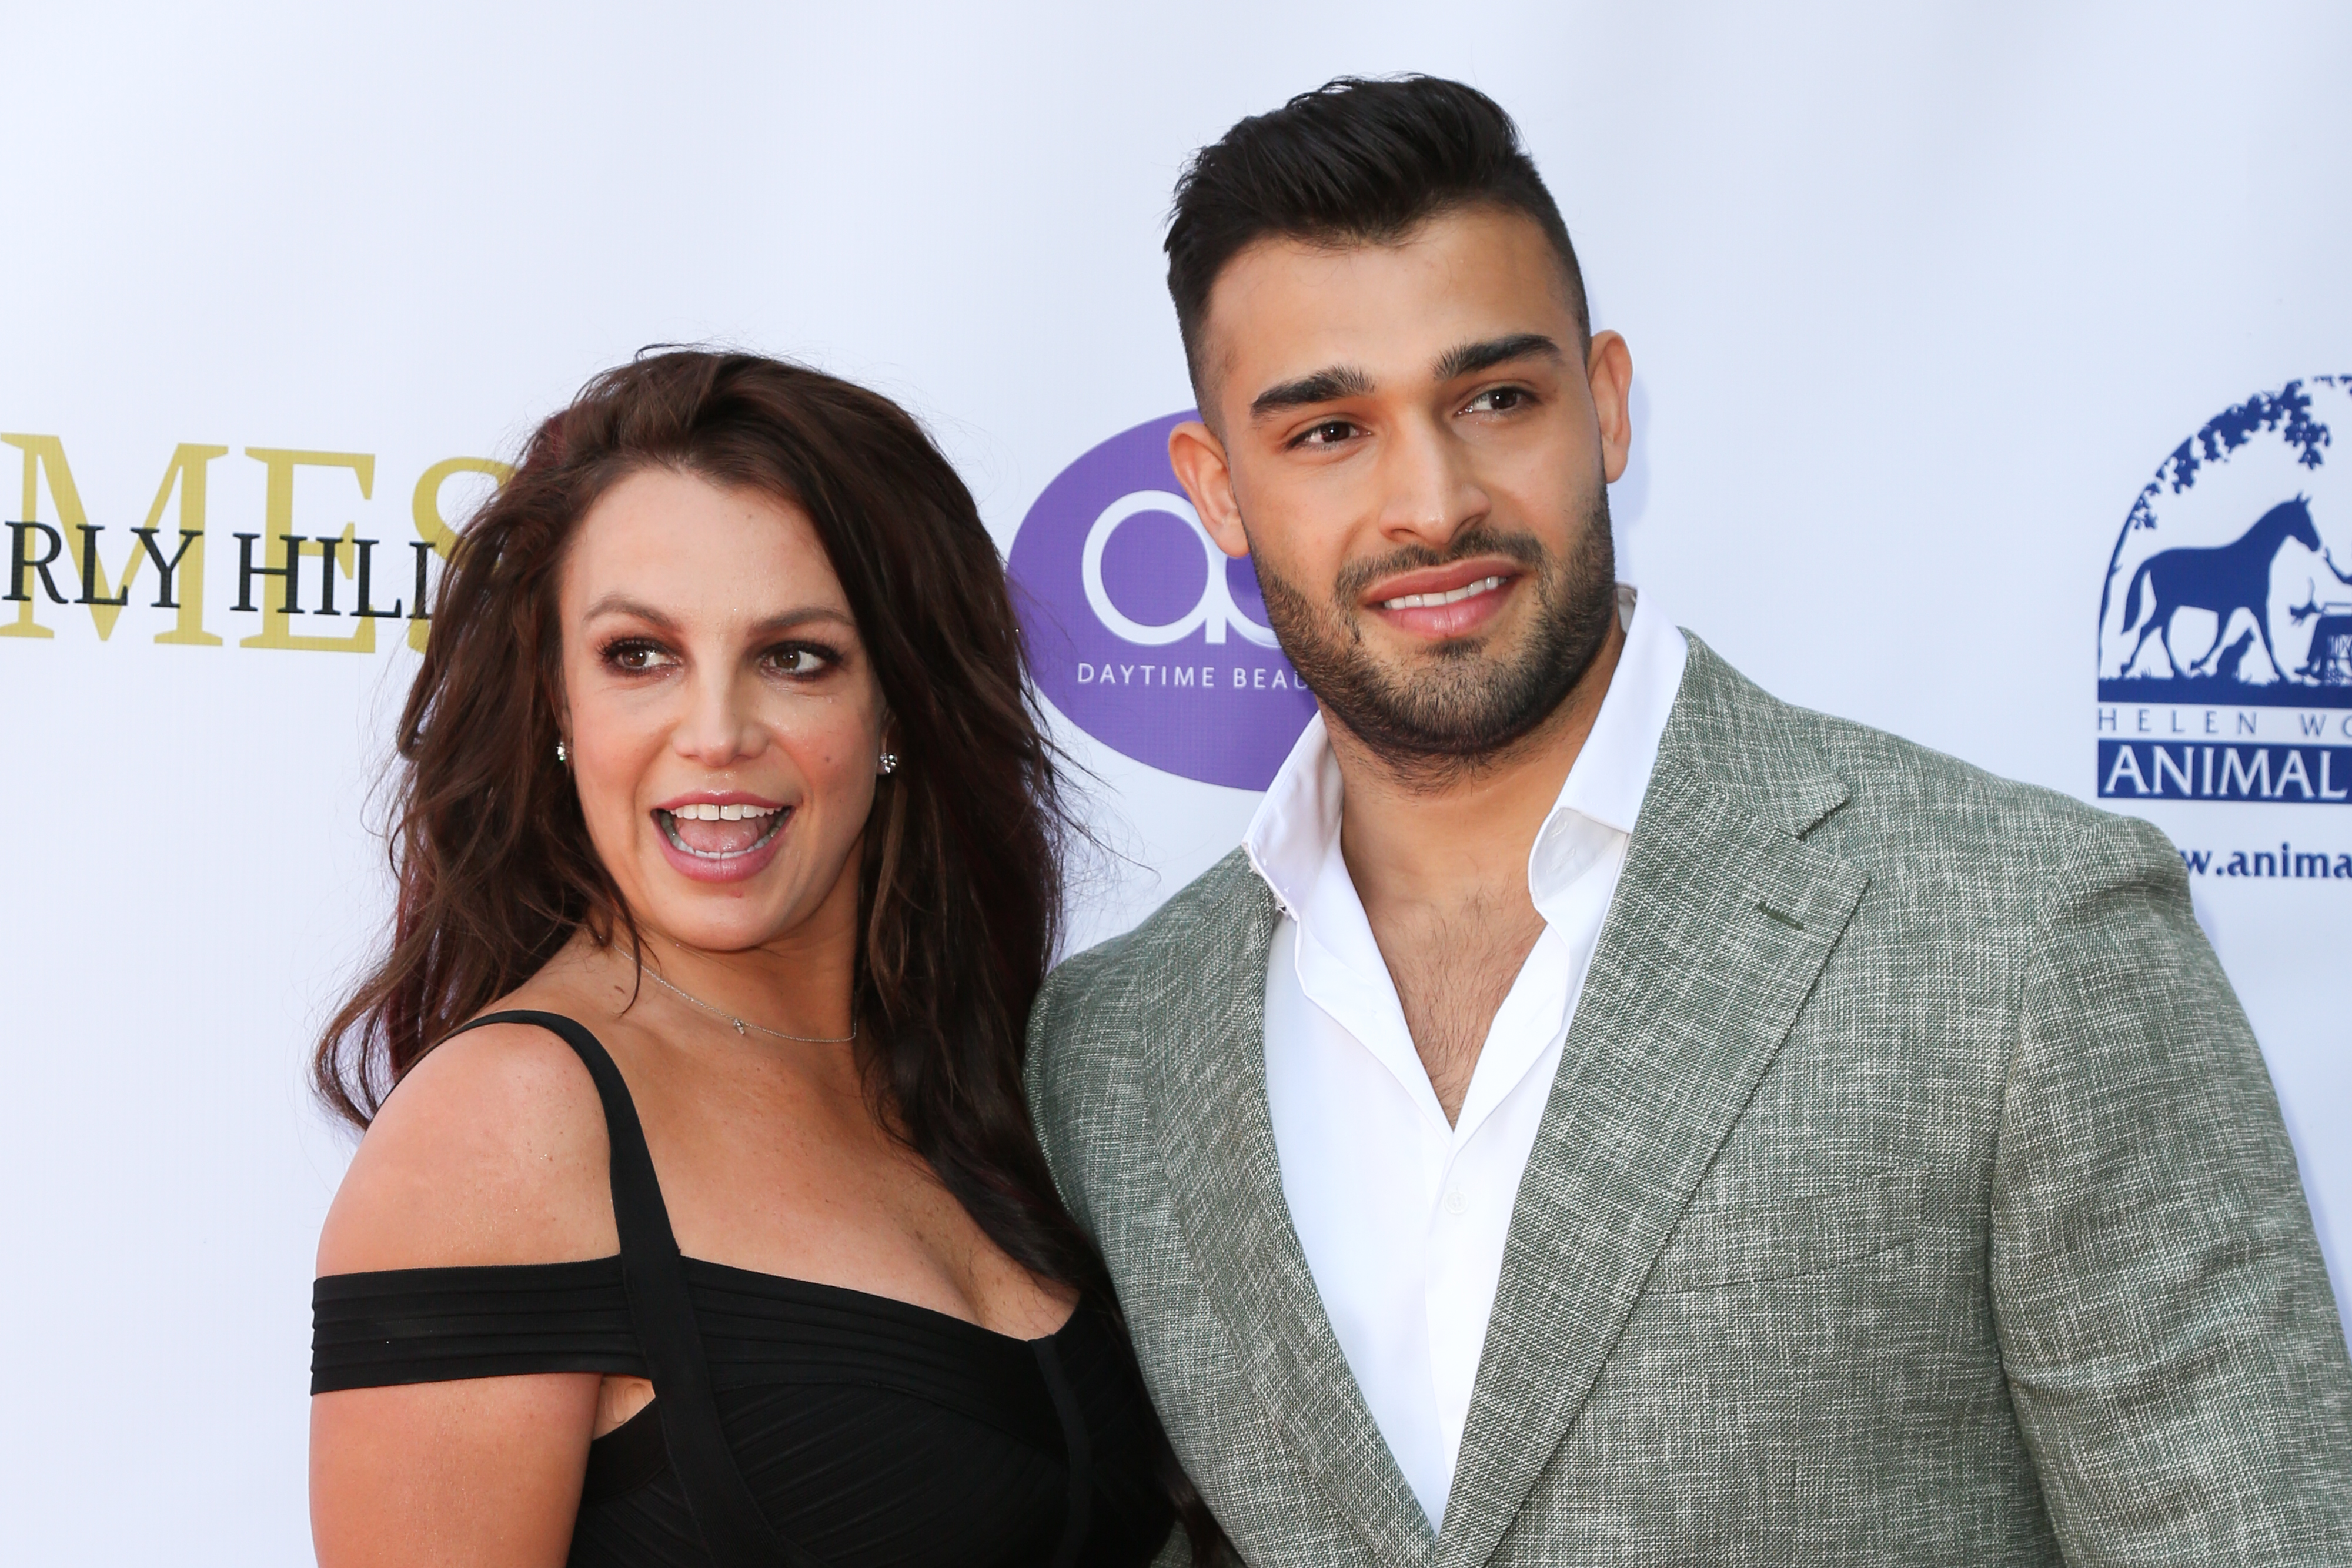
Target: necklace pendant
738	1027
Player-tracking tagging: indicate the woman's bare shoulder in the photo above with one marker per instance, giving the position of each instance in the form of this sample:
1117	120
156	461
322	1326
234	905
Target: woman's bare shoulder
490	1151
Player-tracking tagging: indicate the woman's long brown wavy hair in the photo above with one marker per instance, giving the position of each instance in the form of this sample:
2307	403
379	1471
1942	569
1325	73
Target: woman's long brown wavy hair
959	889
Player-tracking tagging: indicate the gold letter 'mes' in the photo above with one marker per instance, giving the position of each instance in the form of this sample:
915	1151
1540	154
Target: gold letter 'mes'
278	524
180	560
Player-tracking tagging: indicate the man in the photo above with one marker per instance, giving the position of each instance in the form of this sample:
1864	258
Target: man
1603	1114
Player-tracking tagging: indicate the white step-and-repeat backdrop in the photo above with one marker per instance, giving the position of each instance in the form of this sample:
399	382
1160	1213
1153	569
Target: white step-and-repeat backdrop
1994	386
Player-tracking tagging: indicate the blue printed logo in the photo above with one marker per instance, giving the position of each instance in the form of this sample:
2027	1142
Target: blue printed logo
2225	620
1143	633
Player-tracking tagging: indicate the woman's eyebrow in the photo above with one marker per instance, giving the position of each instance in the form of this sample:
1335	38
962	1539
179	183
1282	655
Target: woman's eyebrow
622	604
782	620
785	619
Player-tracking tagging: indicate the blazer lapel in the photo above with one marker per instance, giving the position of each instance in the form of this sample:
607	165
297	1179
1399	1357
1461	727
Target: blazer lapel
1217	1142
1722	921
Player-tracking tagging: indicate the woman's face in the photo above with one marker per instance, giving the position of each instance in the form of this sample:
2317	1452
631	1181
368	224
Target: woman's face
722	720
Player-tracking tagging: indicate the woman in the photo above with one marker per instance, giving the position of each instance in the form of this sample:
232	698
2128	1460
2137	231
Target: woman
699	1219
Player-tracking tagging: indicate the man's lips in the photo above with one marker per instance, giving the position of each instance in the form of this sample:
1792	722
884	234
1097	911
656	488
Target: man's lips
1444	602
1456	578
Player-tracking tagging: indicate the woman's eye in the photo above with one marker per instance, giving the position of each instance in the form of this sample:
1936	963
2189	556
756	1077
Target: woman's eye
635	657
799	661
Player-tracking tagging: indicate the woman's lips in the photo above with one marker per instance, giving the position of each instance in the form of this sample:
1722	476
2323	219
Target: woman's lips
720	844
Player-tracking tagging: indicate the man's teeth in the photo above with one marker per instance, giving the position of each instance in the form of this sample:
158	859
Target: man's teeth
707	813
1455	596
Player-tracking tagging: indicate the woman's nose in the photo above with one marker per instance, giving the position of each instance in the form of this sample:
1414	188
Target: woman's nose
718	729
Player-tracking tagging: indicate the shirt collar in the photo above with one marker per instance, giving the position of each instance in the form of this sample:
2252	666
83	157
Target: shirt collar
1294	828
1612	773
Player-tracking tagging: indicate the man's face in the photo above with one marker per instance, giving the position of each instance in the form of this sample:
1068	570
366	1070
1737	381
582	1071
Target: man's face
1411	446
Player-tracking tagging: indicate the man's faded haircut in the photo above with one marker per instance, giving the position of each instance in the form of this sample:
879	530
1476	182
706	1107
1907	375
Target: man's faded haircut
1356	162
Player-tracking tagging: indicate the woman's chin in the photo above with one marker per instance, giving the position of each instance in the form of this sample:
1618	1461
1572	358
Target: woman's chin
701	923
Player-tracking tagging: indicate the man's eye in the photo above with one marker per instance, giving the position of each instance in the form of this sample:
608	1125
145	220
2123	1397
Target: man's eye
1330	433
1500	399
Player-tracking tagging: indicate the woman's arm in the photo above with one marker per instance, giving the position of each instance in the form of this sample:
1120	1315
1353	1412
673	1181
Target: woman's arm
484	1473
491	1152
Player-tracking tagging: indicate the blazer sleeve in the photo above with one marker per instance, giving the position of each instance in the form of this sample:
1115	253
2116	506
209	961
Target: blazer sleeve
1052	1069
2172	1348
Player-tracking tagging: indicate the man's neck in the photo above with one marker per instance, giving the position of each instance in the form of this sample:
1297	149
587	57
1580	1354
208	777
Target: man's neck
1440	865
1410	837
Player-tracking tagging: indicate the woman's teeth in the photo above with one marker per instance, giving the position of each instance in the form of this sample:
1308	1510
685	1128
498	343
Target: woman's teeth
748	828
1454	596
708	813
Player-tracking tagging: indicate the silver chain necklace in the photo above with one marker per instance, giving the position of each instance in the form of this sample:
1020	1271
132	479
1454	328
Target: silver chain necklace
749	1028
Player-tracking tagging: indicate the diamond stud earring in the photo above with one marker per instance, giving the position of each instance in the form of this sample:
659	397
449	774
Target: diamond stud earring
888	764
561	754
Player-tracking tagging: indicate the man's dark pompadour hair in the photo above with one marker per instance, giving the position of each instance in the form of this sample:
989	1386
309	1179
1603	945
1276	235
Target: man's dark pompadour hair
1355	161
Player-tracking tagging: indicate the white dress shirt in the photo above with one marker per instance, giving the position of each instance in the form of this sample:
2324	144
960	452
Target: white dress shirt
1403	1218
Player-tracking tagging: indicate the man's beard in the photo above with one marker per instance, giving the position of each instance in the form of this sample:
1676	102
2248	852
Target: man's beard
1456	709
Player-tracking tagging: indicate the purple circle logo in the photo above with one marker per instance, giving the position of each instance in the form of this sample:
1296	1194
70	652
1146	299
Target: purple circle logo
1145	634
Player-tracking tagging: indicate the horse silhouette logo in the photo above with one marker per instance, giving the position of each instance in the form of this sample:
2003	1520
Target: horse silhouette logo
2202	605
2228	583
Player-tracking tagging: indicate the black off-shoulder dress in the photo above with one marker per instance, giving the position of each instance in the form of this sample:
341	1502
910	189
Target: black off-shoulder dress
793	1423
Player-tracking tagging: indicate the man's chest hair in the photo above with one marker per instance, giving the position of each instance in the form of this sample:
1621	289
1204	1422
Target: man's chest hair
1452	967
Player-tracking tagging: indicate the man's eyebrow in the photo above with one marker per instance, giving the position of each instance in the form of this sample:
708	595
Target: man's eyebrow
1469	359
1327	385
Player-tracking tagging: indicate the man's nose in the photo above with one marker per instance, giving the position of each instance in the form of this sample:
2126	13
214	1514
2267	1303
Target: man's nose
1429	492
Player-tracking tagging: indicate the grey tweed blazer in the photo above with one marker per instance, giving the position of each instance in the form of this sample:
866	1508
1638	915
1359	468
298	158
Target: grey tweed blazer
1911	1191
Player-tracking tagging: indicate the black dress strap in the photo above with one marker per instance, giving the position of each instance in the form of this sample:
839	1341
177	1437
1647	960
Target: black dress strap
734	1530
1077	1447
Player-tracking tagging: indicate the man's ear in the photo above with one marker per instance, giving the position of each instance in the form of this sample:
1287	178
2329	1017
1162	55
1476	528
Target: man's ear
1610	368
1199	459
